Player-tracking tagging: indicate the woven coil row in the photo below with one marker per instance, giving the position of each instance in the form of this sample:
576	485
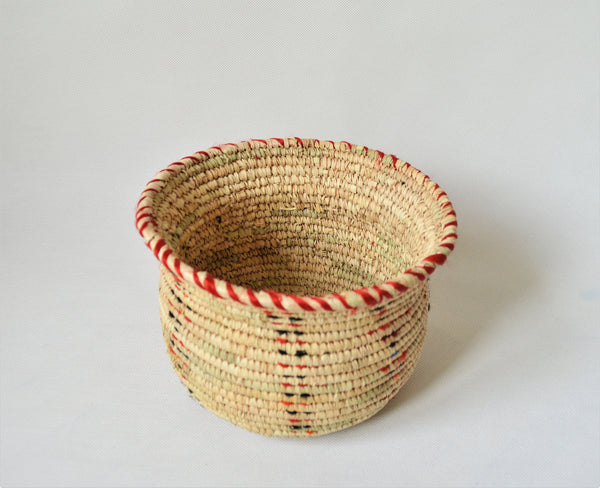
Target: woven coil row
294	278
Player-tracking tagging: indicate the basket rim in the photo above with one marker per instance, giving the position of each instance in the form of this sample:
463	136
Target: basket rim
269	300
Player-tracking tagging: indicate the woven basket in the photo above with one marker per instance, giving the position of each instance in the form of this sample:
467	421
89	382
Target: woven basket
294	278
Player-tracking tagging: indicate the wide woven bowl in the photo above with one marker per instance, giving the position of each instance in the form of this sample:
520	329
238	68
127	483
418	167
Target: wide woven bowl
294	278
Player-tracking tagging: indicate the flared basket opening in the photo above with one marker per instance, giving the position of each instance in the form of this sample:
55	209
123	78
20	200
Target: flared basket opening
300	217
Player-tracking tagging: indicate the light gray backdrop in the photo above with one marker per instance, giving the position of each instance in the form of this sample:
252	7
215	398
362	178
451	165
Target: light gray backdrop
496	101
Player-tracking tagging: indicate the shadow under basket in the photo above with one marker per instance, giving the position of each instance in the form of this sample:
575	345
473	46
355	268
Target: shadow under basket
294	286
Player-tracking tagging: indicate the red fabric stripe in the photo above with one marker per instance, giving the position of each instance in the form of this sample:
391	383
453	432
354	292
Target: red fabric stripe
452	212
144	225
436	258
398	286
449	245
143	208
447	204
443	194
209	285
299	141
144	196
166	254
302	303
204	152
395	160
428	269
342	300
280	141
259	140
382	293
180	343
177	265
449	236
454	222
137	220
323	304
367	298
276	298
421	276
231	292
383	327
283	365
149	189
197	279
159	245
253	300
282	340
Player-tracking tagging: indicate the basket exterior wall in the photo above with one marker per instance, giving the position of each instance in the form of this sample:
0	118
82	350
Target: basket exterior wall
301	374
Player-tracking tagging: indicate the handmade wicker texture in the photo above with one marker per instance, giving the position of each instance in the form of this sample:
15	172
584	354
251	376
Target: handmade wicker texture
294	278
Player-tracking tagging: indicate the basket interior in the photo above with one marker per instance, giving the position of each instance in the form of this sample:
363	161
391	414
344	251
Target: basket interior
301	220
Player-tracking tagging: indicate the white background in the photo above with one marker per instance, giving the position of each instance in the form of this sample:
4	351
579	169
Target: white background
496	101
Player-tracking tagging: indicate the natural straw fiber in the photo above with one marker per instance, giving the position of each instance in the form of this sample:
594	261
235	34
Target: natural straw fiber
294	285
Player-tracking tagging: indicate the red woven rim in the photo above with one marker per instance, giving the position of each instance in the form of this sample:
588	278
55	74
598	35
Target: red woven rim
269	299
